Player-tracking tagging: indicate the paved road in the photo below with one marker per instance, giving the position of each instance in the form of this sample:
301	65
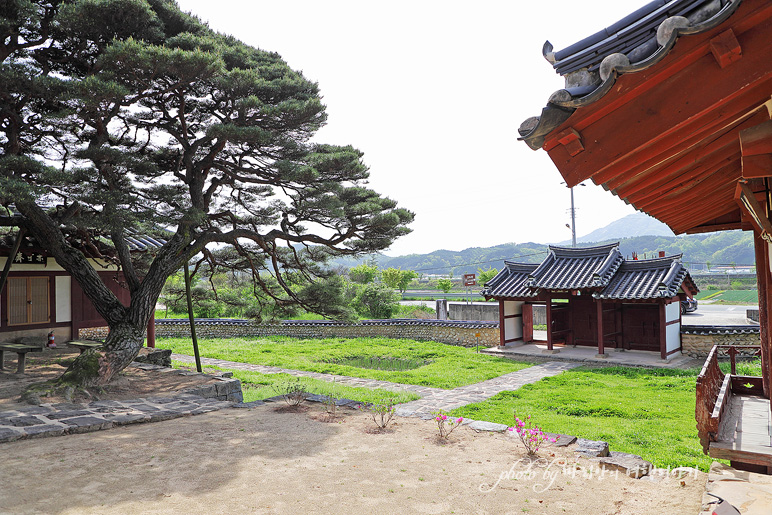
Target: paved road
716	314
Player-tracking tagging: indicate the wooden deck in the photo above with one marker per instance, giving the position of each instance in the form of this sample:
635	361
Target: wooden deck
745	432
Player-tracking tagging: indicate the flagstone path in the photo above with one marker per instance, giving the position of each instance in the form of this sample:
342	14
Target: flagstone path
432	399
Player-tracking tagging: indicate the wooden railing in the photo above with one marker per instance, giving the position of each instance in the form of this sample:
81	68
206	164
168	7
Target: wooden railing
714	388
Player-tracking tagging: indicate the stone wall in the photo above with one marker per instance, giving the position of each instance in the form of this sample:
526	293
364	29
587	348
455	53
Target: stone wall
488	311
450	332
696	341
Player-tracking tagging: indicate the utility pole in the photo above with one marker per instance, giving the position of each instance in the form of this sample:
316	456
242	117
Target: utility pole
573	219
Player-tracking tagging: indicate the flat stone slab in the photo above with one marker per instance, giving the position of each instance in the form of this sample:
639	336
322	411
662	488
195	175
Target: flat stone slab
561	440
9	434
592	448
632	465
481	425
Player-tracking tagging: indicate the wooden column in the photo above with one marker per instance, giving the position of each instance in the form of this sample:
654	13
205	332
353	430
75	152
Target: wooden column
527	322
599	329
662	330
549	322
502	334
151	333
763	279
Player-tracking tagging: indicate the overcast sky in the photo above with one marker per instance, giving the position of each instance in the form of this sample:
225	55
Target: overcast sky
433	93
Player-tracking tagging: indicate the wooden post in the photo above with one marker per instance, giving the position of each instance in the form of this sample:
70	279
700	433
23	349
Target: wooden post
549	322
151	333
662	331
527	322
502	331
599	306
192	320
762	280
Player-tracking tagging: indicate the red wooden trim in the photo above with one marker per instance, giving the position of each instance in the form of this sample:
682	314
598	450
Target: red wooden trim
513	316
673	351
677	321
599	328
527	322
502	337
549	322
725	48
519	339
757	140
662	331
760	248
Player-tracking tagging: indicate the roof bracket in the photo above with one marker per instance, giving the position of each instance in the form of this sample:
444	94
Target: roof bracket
572	140
726	49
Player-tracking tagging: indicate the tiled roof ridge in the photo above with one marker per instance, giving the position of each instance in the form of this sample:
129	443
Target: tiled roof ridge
564	102
583	251
520	267
651	263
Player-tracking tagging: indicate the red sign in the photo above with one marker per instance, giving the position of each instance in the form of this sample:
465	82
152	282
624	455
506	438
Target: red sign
469	280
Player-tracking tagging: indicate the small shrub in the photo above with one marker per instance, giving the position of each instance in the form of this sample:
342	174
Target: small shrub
292	391
331	402
381	412
530	434
445	424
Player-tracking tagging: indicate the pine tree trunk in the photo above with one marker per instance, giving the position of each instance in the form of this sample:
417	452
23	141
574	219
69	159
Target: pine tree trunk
97	367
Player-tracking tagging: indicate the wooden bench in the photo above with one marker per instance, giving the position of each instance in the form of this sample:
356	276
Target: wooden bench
21	351
84	345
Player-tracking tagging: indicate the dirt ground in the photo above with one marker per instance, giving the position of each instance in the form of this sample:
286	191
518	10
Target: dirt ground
51	363
265	461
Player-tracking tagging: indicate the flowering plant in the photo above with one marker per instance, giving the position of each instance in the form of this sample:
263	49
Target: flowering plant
530	434
445	424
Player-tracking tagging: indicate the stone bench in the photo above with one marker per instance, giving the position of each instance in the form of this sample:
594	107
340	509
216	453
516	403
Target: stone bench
21	351
84	345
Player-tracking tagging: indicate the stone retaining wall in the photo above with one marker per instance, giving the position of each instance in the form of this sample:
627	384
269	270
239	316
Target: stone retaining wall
696	341
453	333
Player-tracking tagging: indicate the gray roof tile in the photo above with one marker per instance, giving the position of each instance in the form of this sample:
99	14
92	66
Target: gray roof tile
601	270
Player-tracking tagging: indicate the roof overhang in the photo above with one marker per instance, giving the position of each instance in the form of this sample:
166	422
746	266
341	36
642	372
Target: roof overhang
667	138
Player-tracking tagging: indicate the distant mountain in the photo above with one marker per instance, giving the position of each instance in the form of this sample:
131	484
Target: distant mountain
637	224
726	247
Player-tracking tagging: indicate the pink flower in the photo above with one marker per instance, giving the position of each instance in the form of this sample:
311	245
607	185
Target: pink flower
459	420
444	417
510	429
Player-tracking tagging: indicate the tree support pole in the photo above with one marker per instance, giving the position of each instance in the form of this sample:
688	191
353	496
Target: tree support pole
192	320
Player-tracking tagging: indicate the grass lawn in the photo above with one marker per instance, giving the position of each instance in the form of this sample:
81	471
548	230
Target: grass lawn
447	366
257	386
645	412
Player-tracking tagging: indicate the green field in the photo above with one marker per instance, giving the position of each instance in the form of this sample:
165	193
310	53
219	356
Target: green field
645	412
447	366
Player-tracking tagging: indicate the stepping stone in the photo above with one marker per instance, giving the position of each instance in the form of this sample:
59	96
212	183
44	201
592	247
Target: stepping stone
632	465
561	440
87	424
481	425
592	448
9	434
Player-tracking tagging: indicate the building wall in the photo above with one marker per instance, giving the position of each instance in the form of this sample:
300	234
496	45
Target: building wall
488	311
513	321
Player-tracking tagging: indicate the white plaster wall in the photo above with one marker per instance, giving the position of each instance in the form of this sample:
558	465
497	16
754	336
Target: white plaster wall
672	311
673	331
63	286
513	327
673	337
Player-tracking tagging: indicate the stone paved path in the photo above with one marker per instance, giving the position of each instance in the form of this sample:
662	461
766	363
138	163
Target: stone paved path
423	391
59	419
432	399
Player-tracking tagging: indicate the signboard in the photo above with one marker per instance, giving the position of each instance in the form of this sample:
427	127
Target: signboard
32	258
469	280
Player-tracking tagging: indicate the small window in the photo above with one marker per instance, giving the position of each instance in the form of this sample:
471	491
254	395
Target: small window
28	301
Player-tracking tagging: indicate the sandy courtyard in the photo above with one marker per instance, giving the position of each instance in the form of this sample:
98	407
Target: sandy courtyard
263	461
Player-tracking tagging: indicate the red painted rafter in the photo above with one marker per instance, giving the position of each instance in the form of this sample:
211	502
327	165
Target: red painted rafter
672	119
